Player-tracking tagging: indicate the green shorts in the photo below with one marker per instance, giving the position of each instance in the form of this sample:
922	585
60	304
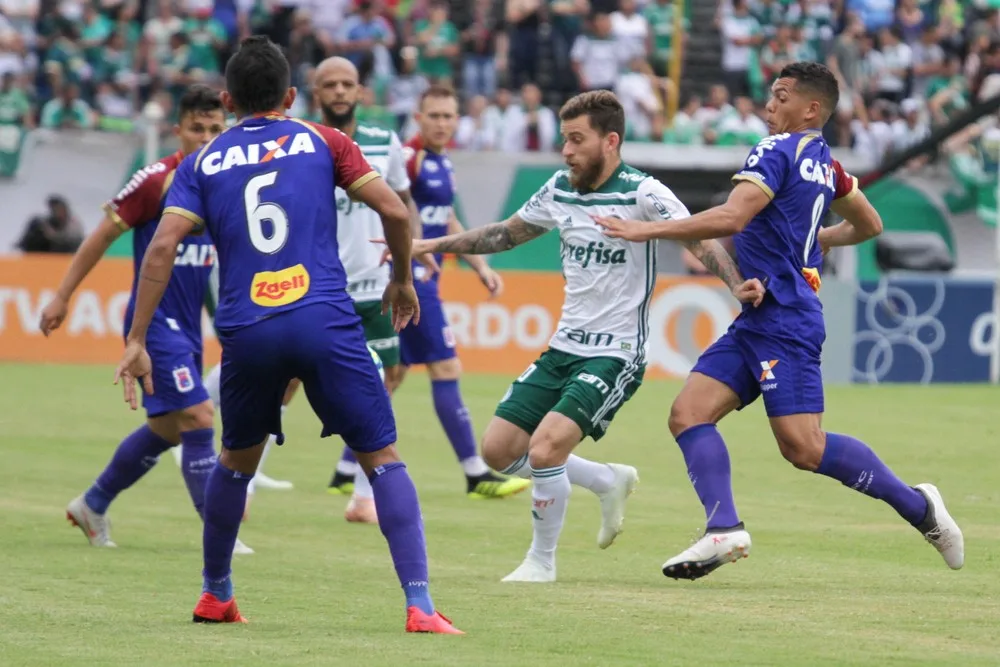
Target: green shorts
379	332
588	390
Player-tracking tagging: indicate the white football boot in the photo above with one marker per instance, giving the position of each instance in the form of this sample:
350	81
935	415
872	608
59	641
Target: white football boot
613	503
713	550
940	529
533	571
240	549
96	527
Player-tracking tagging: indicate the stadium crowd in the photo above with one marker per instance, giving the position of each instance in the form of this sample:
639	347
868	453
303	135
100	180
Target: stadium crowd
904	65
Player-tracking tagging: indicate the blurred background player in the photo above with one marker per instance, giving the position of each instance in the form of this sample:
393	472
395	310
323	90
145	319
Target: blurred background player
597	356
284	313
785	189
430	342
180	411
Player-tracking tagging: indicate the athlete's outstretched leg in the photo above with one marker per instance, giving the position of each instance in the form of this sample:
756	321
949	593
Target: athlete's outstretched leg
136	455
853	463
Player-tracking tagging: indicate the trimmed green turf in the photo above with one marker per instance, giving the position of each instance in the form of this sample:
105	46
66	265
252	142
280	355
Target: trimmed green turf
834	579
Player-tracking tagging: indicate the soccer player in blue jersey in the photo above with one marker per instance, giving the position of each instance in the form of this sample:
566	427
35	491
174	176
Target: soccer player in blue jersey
783	192
264	190
180	412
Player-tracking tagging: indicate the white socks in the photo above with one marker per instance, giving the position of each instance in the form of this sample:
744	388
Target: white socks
595	477
475	466
550	491
347	467
362	486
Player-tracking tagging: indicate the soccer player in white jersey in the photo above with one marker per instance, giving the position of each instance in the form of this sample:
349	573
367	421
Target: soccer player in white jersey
597	357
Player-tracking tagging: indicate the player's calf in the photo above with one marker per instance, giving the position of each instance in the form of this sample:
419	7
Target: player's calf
505	447
800	439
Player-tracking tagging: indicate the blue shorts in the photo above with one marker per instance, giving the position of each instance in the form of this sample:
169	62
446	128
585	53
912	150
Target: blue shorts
322	344
785	371
177	381
432	339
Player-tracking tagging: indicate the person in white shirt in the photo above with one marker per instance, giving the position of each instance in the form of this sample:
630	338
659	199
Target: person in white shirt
475	130
597	57
529	127
637	95
630	28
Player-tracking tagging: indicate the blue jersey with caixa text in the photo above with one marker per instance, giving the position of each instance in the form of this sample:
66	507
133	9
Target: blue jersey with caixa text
264	189
780	245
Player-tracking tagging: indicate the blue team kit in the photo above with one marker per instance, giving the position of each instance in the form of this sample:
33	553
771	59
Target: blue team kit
283	309
775	349
174	340
433	190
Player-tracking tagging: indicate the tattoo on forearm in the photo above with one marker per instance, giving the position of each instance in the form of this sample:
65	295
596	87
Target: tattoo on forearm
497	237
717	261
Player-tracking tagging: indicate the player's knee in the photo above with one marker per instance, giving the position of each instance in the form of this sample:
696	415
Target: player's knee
393	378
804	452
496	452
446	369
683	415
196	417
547	449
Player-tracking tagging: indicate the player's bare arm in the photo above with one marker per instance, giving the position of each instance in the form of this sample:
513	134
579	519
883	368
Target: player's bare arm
861	222
490	278
720	263
745	201
154	274
486	240
84	260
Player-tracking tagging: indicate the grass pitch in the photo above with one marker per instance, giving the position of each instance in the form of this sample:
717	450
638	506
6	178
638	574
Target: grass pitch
835	578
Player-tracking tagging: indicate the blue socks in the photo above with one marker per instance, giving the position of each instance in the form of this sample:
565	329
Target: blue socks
197	460
135	456
225	499
708	468
852	463
454	417
399	519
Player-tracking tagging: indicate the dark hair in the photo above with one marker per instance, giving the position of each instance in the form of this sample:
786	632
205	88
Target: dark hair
257	76
815	79
602	109
439	91
199	99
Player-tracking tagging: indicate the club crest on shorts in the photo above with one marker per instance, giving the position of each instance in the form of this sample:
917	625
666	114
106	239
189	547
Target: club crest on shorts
183	379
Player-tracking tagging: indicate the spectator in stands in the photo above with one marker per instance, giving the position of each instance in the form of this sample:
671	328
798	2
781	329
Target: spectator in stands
305	49
365	33
778	52
15	108
897	60
928	60
479	46
566	19
207	38
497	110
437	42
660	16
14	55
911	20
910	128
638	91
597	57
948	94
741	35
686	128
630	29
712	113
59	231
407	87
475	131
64	61
158	30
21	16
743	128
529	126
523	18
67	111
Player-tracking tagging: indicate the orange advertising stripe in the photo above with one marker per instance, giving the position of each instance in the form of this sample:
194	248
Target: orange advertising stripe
92	331
493	335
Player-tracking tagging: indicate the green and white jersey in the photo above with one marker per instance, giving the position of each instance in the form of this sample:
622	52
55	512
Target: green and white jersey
609	282
357	224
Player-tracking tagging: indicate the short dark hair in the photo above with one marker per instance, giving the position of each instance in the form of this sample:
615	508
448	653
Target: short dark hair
602	109
438	91
815	79
258	75
199	99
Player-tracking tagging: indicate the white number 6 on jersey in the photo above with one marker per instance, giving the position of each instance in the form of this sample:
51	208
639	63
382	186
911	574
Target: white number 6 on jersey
258	212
